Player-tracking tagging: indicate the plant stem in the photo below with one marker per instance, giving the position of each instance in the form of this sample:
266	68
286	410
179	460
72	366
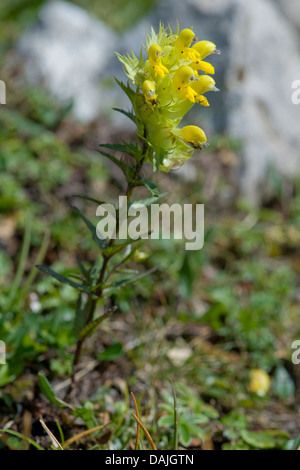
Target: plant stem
92	303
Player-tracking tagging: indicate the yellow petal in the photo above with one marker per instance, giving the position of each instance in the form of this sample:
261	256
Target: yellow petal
160	69
202	100
194	136
204	66
205	48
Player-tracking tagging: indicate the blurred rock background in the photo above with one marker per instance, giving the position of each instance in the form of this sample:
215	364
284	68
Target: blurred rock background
70	51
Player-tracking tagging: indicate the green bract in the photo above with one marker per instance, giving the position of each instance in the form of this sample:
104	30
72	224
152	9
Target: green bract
167	83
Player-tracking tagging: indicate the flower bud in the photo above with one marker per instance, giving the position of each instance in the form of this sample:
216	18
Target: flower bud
194	136
148	88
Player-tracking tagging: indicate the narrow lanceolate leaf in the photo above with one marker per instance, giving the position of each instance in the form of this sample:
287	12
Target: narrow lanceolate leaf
81	266
149	200
49	393
151	187
90	328
125	282
126	88
100	243
126	147
126	169
88	198
129	114
80	314
63	279
111	250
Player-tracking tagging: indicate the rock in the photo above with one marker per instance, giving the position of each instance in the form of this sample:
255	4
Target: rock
291	8
68	50
263	63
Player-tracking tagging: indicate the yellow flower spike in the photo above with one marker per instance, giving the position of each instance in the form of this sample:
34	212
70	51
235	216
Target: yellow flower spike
205	48
182	45
194	136
155	54
169	74
259	382
148	89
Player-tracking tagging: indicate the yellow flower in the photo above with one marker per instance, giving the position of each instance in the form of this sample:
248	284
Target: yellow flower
183	77
194	136
155	54
183	42
148	88
204	84
259	382
205	67
205	48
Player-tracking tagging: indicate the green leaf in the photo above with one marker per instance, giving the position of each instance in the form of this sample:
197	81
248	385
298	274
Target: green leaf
5	375
79	315
88	198
63	279
166	421
21	436
265	439
293	444
130	115
82	267
198	419
111	250
49	393
90	328
239	445
151	187
132	64
184	434
126	282
186	277
126	88
102	244
126	147
149	200
111	353
126	169
284	386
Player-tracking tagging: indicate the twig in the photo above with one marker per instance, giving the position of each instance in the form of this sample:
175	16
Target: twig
150	440
137	424
83	434
53	439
